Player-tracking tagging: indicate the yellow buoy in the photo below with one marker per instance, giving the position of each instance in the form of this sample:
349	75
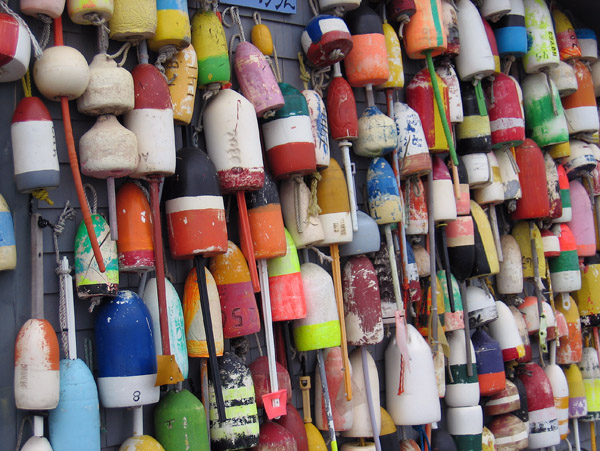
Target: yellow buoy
182	74
133	20
210	43
172	26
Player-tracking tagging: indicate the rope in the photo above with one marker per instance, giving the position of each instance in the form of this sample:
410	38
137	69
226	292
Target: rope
25	419
103	31
313	7
46	31
26	82
338	11
322	257
36	46
313	206
123	50
210	91
298	182
304	75
165	53
275	66
508	61
234	12
260	352
94	206
231	41
42	194
320	79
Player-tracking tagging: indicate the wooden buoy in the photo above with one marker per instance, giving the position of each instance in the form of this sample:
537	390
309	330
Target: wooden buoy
490	363
341	408
571	345
182	75
542	50
8	248
425	31
510	432
509	175
319	127
482	307
560	390
505	330
262	384
478	169
416	204
564	269
505	401
564	78
534	202
172	26
455	103
125	352
591	381
581	159
210	43
384	196
412	143
580	107
588	43
507	123
577	400
510	278
133	21
486	254
587	297
473	134
465	425
510	31
326	40
274	436
180	421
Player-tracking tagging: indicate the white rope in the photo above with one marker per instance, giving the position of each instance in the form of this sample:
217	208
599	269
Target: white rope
94	206
123	50
322	257
36	46
25	419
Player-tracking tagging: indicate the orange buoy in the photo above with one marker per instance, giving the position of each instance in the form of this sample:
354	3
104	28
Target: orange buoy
570	347
580	107
426	31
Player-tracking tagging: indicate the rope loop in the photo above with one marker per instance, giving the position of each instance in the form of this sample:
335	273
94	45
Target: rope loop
37	49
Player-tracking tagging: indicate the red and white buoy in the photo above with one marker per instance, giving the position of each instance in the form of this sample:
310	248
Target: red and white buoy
15	50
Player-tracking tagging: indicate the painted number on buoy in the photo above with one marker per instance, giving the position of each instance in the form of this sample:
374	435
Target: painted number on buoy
136	396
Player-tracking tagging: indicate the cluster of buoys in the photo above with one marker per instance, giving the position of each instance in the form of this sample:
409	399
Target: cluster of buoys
477	245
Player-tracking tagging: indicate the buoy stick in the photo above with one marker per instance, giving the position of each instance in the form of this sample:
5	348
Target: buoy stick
38	426
447	269
393	267
200	264
345	146
204	391
463	295
339	300
536	275
74	163
112	208
432	263
305	387
37	268
246	239
496	232
68	284
365	366
138	421
593	435
325	388
576	434
370	95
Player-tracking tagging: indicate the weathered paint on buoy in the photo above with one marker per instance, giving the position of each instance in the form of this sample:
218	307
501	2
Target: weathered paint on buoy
377	133
450	18
505	110
534	202
394	57
416	203
473	134
510	278
542	50
482	306
341	408
510	432
299	215
89	281
262	384
172	25
505	401
326	40
81	11
588	43
412	143
564	78
444	203
522	234
580	107
475	58
182	75
125	352
238	304
565	195
210	43
273	436
452	320
529	310
486	255
15	51
560	390
506	332
582	223
553	187
568	45
571	345
564	269
577	400
8	248
426	30
588	296
460	235
490	363
465	425
133	21
591	381
581	159
384	196
341	110
461	389
493	193
319	127
509	174
448	75
332	197
478	169
510	31
294	423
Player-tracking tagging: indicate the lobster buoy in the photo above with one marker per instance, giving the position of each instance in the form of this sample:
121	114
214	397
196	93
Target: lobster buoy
582	222
568	45
590	371
321	327
152	122
580	107
482	307
260	378
492	194
463	205
475	59
571	345
36	376
145	442
289	142
473	134
553	187
8	248
543	422
478	169
177	336
420	97
444	203
419	385
494	9
450	17
507	123
510	31
461	246
332	196
172	26
523	235
125	352
366	240
238	304
110	89
210	43
510	432
465	425
510	278
133	21
367	63
551	244
384	196
564	78
411	141
401	10
542	124
506	331
51	8
180	421
542	50
326	40
577	400
588	43
294	423
486	254
35	157
534	202
462	390
240	429
581	160
425	32
341	110
564	269
529	310
394	55
490	364
341	408
299	217
509	175
560	390
195	335
416	223
233	141
319	127
85	12
455	103
377	133
274	436
182	76
452	320
565	196
505	401
587	297
257	80
89	281
362	303
62	71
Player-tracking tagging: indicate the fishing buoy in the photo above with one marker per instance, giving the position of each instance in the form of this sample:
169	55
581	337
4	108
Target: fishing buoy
180	421
377	133
274	436
89	281
133	22
16	48
551	244
145	442
341	408
411	141
564	270
425	31
587	297
335	207
523	233
401	10
509	175
482	307
341	110
238	305
563	76
534	202
62	71
463	205
507	123
52	8
571	345
320	328
542	49
494	9
478	169
210	44
505	401
582	222
326	40
581	159
177	336
568	45
319	127
416	203
419	96
565	196
292	421
577	400
152	122
182	76
543	423
455	103
82	13
588	44
510	432
8	248
580	107
486	254
510	31
450	17
453	320
366	240
560	390
36	376
490	363
461	246
260	378
172	26
545	121
510	278
384	196
493	193
110	89
367	62
462	390
475	59
299	215
529	310
241	428
125	352
465	425
394	56
473	134
553	187
390	436
33	141
505	330
591	381
443	195
288	136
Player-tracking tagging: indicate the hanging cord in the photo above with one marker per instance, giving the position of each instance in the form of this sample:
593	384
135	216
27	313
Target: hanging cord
508	61
314	7
257	338
25	419
422	436
46	30
103	30
165	54
234	12
275	64
210	91
304	75
123	50
313	206
320	79
37	49
298	182
207	5
322	257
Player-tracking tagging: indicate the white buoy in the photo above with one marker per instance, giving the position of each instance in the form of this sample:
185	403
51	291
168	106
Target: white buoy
506	332
463	390
478	169
303	223
465	425
475	59
510	278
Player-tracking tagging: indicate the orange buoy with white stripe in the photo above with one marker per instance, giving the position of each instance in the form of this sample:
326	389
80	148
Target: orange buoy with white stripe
580	107
426	31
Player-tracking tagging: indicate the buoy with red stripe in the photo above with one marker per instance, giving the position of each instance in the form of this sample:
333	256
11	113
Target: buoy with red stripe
326	40
564	270
510	32
341	408
534	202
419	97
577	400
126	357
210	43
490	364
590	370
530	312
510	432
462	390
288	138
450	18
425	33
505	401
507	123
475	59
152	122
455	103
505	331
542	50
482	306
510	278
33	141
543	422
443	194
560	390
300	216
15	50
580	107
193	318
124	28
568	45
172	26
565	196
564	78
545	121
465	425
473	134
413	150
551	244
182	75
588	43
419	384
582	222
